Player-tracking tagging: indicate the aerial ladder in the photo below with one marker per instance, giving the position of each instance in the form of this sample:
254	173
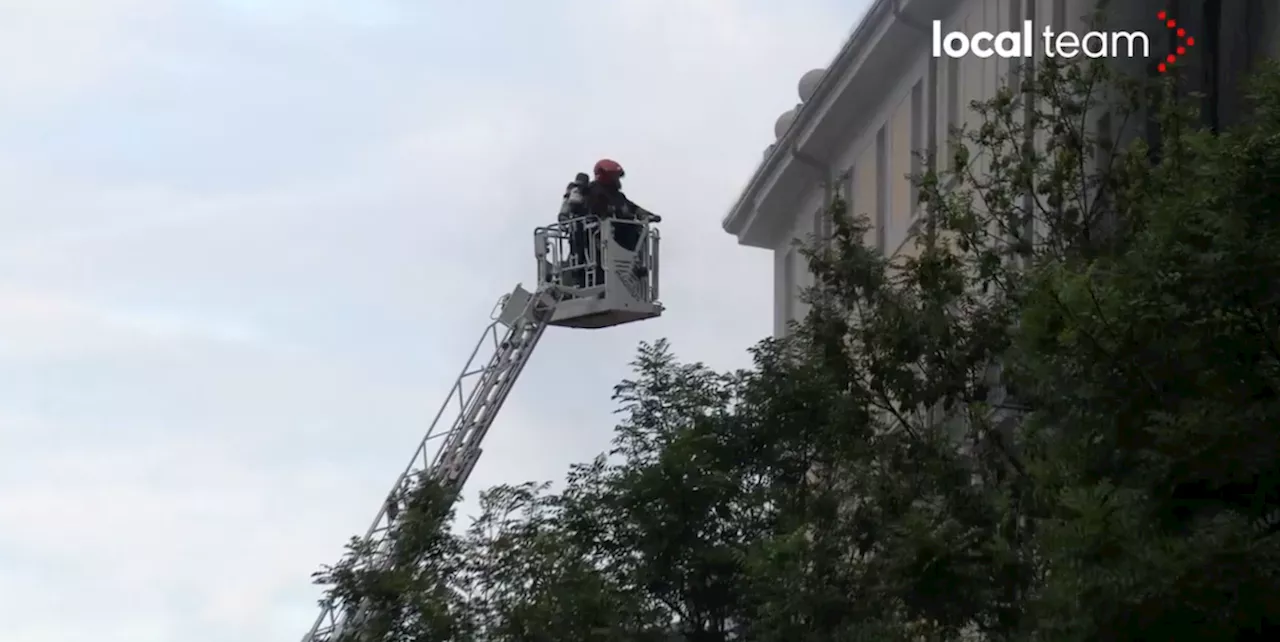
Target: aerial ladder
592	273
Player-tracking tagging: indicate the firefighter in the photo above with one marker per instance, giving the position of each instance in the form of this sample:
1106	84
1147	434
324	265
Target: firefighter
574	206
606	200
575	198
604	193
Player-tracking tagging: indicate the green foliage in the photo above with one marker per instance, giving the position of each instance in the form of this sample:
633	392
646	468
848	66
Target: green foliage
407	591
1053	418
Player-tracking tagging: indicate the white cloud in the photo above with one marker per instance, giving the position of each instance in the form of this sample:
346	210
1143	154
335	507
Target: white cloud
40	325
243	261
54	49
145	524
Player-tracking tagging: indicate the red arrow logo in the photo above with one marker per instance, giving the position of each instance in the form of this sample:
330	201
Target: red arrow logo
1184	41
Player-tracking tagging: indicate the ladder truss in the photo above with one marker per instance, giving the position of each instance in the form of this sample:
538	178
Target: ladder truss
449	451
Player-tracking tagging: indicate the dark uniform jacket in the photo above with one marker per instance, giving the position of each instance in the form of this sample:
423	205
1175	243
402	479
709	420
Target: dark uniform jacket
605	201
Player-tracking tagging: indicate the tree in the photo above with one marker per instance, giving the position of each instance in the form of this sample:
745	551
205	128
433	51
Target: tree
529	580
406	590
1154	372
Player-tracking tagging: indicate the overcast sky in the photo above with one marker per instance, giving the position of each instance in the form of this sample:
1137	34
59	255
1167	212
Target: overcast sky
245	245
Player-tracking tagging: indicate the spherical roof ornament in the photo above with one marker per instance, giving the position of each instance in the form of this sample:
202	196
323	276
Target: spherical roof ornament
784	121
809	83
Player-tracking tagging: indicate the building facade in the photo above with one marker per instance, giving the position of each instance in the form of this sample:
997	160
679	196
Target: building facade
885	95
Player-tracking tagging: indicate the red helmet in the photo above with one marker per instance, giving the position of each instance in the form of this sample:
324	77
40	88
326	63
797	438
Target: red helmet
609	169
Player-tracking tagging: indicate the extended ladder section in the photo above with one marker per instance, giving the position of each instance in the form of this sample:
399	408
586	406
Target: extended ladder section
592	274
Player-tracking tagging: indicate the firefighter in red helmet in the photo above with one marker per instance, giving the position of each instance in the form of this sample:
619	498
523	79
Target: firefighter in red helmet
604	195
606	200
